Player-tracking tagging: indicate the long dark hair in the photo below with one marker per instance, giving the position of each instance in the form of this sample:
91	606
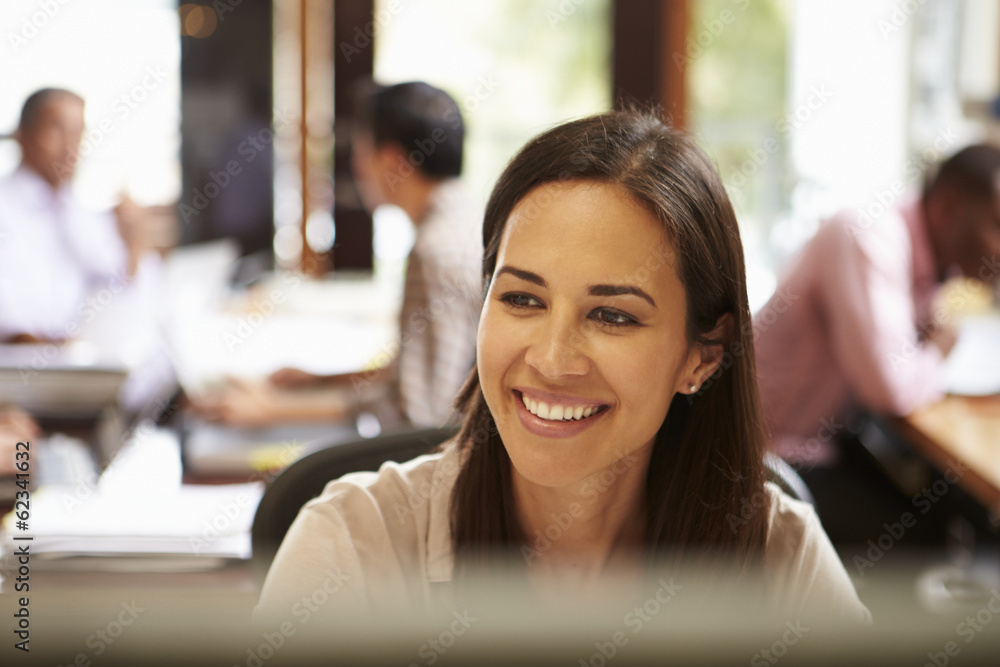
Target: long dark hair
705	485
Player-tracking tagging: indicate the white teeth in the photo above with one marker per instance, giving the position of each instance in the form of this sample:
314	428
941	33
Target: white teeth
556	412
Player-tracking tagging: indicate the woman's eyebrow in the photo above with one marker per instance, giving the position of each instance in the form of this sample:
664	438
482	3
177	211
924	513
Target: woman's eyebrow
619	290
523	275
595	290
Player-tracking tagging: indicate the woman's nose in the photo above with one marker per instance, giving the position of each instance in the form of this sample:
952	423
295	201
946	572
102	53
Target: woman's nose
557	350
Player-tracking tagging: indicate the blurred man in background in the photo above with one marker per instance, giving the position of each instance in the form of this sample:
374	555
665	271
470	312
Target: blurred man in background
407	151
852	326
53	251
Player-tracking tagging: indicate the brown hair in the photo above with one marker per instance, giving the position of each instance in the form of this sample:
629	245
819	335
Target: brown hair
706	467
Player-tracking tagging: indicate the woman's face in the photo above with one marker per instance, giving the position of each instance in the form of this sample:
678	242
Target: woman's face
582	340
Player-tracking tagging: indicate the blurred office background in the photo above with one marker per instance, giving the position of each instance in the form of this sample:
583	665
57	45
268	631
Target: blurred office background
806	106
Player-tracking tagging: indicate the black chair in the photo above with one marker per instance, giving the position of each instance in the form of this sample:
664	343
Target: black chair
787	479
304	480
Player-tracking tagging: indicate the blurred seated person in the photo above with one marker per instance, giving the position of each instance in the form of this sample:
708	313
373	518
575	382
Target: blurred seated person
15	426
54	252
853	325
407	151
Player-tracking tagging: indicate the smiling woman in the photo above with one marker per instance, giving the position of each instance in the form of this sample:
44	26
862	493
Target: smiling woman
604	436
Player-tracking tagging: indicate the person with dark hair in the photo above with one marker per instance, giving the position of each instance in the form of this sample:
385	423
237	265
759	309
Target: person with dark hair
407	150
54	251
853	326
614	392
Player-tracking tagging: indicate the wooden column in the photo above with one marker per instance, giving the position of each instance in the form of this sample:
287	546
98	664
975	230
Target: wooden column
352	25
649	63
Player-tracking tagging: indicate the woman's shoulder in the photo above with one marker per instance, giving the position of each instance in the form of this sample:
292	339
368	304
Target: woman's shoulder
380	535
802	568
399	492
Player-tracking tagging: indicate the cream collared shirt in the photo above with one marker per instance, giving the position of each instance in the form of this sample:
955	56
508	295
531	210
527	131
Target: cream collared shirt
381	542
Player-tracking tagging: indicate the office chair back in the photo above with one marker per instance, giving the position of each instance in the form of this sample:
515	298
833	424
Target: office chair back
787	479
305	479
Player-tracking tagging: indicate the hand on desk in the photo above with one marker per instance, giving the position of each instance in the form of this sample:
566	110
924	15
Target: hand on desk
293	378
15	426
251	404
30	339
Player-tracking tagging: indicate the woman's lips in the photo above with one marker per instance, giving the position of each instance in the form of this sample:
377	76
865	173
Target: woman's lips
558	428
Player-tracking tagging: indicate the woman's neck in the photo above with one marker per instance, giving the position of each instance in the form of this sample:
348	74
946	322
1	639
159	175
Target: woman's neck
577	533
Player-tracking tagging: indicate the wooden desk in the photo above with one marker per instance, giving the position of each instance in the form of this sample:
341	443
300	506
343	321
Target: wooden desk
235	580
965	430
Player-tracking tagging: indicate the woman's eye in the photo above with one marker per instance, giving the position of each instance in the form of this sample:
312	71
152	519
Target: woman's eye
613	317
520	300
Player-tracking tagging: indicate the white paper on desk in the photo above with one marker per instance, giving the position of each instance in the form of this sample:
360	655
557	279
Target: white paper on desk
973	367
192	521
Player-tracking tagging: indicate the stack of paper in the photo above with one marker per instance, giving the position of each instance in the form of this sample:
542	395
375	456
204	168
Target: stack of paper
192	527
973	367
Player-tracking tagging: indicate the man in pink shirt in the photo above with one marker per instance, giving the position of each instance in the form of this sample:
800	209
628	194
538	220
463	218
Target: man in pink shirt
852	326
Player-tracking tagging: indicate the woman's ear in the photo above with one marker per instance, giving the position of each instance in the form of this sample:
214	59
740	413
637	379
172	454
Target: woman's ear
705	358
